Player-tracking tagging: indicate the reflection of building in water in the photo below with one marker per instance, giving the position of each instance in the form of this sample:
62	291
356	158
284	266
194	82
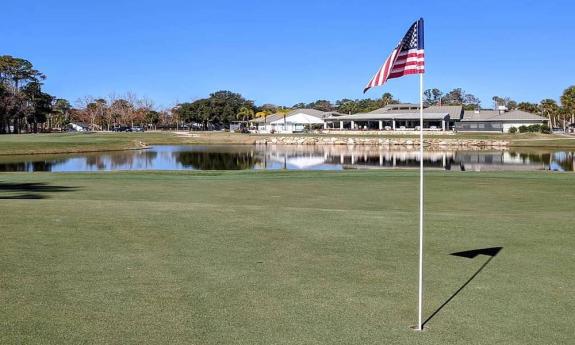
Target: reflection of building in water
501	160
305	157
350	157
310	157
397	159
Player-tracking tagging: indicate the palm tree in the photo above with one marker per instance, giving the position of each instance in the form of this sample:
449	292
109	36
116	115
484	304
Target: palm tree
568	103
245	113
549	109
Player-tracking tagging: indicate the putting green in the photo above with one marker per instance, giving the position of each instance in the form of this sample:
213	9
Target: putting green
283	258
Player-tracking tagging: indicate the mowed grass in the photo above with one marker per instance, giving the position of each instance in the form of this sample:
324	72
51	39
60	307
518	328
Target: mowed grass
109	141
283	258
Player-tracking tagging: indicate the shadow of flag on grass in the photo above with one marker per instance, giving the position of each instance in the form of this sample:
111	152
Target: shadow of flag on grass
469	254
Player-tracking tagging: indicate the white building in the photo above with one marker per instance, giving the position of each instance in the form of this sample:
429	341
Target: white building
497	120
298	120
398	117
79	127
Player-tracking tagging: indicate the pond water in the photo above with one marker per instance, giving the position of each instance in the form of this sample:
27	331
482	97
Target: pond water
291	157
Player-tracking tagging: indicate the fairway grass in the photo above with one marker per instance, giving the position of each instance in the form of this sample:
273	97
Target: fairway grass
284	258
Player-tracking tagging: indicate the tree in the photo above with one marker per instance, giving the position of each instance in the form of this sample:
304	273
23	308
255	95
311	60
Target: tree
459	97
220	108
320	104
101	107
225	105
122	111
528	107
549	109
512	105
387	99
245	113
16	106
60	115
152	118
504	102
432	96
39	104
10	107
18	72
568	104
347	106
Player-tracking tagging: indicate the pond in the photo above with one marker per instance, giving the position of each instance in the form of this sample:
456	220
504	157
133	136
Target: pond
291	157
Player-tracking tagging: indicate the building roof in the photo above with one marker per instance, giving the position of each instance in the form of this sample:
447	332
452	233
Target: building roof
390	116
268	119
455	111
495	115
396	107
311	112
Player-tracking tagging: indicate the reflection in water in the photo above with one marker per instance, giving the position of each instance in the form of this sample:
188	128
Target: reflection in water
312	157
206	160
29	165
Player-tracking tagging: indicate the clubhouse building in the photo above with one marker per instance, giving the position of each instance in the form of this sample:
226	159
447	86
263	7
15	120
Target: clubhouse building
399	117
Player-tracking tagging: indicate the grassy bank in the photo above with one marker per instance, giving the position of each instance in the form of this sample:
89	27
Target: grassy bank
90	142
283	258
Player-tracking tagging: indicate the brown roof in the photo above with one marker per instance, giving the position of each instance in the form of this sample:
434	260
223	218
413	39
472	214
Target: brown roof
455	111
494	115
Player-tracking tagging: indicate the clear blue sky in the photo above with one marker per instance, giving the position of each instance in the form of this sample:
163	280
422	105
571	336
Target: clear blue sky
284	52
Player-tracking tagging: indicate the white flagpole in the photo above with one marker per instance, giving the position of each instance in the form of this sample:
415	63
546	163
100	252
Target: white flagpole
420	305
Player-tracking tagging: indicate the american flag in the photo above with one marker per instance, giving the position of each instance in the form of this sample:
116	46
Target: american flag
406	58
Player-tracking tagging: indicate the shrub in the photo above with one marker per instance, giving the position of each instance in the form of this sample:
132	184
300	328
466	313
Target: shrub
523	129
545	129
534	128
513	130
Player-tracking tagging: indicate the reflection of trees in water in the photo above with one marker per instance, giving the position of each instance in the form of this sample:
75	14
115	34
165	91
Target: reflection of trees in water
205	160
96	160
535	157
564	160
30	166
121	159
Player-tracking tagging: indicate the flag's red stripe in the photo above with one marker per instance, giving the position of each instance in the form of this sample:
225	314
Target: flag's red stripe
418	55
402	73
409	63
386	69
376	78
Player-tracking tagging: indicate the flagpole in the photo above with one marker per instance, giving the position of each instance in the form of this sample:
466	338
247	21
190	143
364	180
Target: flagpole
420	304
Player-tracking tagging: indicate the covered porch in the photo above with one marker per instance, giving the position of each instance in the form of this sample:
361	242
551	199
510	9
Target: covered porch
388	122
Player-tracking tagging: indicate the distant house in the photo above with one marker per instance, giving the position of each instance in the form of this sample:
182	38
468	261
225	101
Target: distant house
79	126
399	117
497	120
295	121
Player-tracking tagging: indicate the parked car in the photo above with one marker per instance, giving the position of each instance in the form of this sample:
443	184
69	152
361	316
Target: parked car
121	129
558	130
137	129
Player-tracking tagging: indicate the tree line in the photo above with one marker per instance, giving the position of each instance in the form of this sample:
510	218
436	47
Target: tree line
25	107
